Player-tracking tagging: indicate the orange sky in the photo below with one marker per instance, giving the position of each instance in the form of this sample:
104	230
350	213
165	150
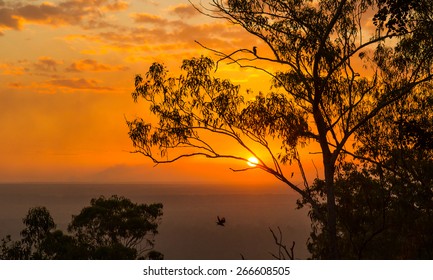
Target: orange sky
67	70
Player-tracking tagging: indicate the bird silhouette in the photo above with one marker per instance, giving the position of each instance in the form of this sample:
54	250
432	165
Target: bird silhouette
255	50
221	221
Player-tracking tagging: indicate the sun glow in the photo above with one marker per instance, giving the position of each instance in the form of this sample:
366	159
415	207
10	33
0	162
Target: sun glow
252	161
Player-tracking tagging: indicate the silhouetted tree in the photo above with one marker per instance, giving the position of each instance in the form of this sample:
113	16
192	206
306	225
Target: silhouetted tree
385	208
111	228
283	252
12	250
39	225
116	228
331	80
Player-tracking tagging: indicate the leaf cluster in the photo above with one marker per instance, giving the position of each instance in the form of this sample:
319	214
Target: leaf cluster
396	15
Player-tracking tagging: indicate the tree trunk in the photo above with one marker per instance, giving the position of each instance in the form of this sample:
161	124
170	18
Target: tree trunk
329	168
331	225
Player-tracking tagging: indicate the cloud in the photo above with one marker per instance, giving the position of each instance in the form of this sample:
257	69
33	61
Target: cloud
185	11
47	14
117	6
148	18
15	85
153	35
93	66
156	32
8	19
88	13
10	69
46	64
77	84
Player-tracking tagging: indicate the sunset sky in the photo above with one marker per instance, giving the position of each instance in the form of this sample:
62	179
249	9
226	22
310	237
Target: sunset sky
67	69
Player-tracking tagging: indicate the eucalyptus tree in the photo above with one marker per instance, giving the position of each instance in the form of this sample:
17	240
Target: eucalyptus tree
339	64
385	209
117	228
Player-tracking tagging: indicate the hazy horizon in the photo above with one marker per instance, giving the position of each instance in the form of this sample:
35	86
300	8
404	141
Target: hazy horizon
188	229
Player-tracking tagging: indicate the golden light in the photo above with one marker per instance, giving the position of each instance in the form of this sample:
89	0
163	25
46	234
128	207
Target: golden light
252	161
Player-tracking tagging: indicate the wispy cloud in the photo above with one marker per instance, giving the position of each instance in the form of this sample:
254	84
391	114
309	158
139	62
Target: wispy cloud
46	64
77	84
89	13
10	69
116	6
15	85
154	34
91	65
148	18
8	19
184	11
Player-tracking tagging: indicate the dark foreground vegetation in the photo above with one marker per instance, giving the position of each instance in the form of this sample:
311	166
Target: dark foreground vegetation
110	228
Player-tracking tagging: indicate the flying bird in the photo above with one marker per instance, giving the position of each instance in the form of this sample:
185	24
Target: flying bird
221	221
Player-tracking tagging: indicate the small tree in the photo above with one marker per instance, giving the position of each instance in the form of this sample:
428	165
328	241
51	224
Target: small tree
39	225
321	93
116	228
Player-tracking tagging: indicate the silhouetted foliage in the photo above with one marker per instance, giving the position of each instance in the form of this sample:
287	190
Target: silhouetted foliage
331	80
385	207
116	228
12	250
396	15
39	225
111	228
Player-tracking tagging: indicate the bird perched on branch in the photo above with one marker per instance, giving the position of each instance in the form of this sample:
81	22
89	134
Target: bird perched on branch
255	50
221	221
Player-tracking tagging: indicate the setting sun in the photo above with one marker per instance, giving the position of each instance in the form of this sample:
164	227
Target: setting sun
252	161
